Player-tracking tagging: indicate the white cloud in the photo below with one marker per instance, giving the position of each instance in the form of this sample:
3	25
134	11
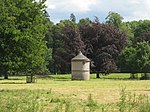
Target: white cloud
135	2
129	9
51	6
83	5
71	5
140	10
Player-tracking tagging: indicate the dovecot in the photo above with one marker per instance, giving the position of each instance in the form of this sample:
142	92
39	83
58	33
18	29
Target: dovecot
80	67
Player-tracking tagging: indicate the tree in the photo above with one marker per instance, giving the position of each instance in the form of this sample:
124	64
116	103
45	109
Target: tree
83	22
143	37
67	44
72	17
127	61
49	40
127	28
103	45
56	43
136	59
142	27
143	57
114	18
22	33
83	25
136	30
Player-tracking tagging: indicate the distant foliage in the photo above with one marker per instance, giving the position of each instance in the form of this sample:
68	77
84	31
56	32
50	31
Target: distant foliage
114	18
143	37
141	27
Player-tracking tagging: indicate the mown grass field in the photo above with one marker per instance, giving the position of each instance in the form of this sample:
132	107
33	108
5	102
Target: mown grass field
58	93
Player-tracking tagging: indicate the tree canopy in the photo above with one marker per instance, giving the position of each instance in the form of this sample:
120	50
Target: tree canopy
114	18
22	32
103	45
136	58
30	43
67	44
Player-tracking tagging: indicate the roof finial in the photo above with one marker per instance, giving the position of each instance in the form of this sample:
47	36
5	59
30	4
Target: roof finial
80	53
80	57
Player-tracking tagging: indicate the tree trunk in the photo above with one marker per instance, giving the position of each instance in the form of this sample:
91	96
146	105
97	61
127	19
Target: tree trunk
5	75
146	76
31	78
134	76
97	75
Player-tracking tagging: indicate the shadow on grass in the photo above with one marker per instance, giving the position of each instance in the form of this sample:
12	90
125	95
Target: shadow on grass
45	76
119	78
62	80
69	79
12	82
13	78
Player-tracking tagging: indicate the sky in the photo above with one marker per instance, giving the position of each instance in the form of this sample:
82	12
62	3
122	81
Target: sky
129	9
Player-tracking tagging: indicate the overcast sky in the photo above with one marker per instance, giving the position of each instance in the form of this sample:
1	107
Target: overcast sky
129	9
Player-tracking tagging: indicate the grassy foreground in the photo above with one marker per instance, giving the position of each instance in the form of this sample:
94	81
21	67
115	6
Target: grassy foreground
113	93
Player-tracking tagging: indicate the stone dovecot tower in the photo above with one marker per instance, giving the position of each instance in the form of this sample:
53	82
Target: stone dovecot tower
80	67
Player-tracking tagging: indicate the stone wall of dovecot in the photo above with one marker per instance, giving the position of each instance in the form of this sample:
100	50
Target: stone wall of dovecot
80	67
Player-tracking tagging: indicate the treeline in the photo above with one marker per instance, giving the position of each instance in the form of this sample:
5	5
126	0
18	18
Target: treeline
112	46
31	44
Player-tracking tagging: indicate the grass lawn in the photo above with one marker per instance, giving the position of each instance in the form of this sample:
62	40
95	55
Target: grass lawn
103	91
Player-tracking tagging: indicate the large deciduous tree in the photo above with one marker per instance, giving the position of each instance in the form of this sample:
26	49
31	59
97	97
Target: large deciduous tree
22	33
67	44
103	45
136	59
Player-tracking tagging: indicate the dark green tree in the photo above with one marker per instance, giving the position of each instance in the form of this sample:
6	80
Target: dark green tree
136	59
135	30
67	44
49	40
142	27
127	61
143	37
22	34
54	64
72	17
